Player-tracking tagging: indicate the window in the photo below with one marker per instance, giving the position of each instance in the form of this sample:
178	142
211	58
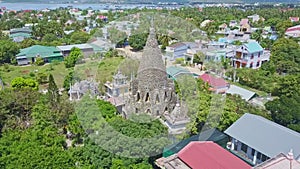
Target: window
147	97
257	64
263	158
251	65
244	147
252	152
252	56
258	54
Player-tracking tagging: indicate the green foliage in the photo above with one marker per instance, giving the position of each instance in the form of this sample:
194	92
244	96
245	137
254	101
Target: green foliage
138	41
285	111
286	56
21	83
79	37
116	36
74	56
53	92
39	61
41	78
70	79
8	51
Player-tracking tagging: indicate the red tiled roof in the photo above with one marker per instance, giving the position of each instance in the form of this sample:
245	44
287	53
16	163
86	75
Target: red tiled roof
209	155
244	21
213	81
294	19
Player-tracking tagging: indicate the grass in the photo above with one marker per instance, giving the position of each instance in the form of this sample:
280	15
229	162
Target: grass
58	71
100	71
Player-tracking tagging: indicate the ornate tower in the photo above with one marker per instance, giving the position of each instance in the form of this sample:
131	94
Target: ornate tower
151	92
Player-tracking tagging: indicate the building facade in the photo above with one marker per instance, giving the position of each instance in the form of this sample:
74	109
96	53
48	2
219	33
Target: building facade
250	55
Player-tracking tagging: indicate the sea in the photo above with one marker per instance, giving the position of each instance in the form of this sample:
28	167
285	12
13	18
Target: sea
100	6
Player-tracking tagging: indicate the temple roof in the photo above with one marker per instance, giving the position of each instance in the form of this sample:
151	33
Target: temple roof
152	56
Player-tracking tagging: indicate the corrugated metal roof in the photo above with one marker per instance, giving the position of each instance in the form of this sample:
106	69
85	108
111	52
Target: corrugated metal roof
209	155
265	136
69	47
43	51
253	47
244	93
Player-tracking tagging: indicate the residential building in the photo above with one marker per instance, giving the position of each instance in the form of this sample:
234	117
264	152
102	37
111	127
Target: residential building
19	34
281	161
293	31
29	55
233	23
245	26
202	155
205	22
294	19
250	55
176	50
255	17
259	139
216	84
243	93
85	48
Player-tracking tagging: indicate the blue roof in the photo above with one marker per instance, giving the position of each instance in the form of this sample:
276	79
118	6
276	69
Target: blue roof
253	47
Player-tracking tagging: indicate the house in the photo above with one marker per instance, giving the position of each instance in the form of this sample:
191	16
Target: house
216	84
245	26
29	55
293	31
255	17
205	22
280	161
259	139
202	155
176	50
223	28
174	72
19	37
250	55
294	19
19	34
85	48
233	23
243	93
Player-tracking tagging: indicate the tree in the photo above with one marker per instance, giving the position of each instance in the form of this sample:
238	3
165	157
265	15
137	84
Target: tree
21	83
79	37
39	61
8	51
138	41
74	56
53	92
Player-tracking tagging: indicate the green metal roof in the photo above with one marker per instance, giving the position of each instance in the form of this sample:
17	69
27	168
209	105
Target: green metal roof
253	47
43	51
26	35
174	71
96	48
208	135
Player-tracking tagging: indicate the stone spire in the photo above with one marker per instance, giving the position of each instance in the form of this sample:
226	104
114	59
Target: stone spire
152	56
